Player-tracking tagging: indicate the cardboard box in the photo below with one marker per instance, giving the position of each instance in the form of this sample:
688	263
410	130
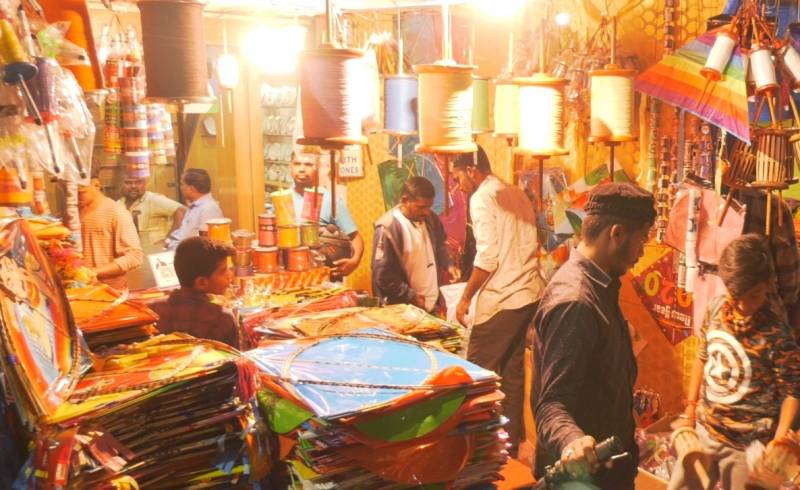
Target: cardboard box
644	479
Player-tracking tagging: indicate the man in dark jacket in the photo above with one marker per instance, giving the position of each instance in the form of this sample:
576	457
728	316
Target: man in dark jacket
409	255
584	365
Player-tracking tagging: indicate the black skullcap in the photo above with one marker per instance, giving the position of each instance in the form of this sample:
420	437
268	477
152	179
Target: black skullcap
623	200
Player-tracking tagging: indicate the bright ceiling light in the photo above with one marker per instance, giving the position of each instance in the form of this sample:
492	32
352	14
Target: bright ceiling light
275	50
228	71
562	19
499	8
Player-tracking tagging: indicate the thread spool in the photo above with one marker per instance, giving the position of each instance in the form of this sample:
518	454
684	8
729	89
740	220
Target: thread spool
135	140
288	236
611	95
400	104
742	168
242	239
309	234
219	229
266	230
134	116
541	115
265	259
137	164
480	106
445	108
312	205
772	158
11	193
719	56
113	70
687	444
283	201
174	49
330	95
243	257
298	259
40	204
506	108
763	69
790	62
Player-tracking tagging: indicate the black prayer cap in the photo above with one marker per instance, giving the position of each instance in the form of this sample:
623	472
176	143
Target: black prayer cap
623	200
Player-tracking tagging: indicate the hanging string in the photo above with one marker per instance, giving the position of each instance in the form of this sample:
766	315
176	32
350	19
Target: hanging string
611	106
330	95
445	107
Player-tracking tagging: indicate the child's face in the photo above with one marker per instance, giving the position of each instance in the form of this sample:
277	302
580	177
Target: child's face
751	301
219	280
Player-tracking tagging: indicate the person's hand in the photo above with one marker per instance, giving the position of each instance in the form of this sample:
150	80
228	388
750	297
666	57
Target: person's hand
763	477
345	267
455	273
687	419
461	311
579	458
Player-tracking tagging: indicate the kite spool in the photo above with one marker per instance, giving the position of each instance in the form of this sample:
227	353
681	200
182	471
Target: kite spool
480	106
400	104
445	108
611	105
790	61
687	444
720	55
742	168
506	108
763	69
772	159
330	96
541	116
781	455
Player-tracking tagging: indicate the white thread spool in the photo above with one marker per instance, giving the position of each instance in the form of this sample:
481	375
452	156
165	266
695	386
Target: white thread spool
763	69
330	95
772	158
720	56
480	105
445	108
506	108
611	105
541	115
790	61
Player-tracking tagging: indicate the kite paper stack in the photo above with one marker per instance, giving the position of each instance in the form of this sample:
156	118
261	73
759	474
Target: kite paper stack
371	409
401	319
167	412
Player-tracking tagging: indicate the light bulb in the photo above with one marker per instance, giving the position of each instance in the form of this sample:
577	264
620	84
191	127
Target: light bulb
228	71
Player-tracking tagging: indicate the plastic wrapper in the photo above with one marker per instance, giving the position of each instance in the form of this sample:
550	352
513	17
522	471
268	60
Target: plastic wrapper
655	455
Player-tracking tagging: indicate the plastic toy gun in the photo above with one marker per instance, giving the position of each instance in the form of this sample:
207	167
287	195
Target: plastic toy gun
608	450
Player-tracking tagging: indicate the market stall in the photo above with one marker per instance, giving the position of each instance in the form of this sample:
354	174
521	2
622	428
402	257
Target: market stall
305	122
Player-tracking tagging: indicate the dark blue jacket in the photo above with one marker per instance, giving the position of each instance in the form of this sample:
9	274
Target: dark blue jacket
389	279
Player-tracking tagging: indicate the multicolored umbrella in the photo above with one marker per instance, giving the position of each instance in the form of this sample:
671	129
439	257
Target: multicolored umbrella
676	79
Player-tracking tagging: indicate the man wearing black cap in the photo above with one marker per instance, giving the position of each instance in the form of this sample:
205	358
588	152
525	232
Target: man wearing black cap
584	366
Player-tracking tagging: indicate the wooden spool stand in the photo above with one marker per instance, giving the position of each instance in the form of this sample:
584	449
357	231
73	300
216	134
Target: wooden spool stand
690	452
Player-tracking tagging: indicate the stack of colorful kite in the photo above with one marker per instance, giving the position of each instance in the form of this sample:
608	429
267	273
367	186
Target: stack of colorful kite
401	319
374	410
107	318
168	412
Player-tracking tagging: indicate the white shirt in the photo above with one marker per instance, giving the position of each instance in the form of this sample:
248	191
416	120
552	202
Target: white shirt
418	259
200	211
504	225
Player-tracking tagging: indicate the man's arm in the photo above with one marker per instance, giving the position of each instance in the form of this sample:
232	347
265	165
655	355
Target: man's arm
487	256
565	338
177	219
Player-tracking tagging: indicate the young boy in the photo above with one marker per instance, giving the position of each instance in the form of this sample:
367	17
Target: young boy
201	265
749	367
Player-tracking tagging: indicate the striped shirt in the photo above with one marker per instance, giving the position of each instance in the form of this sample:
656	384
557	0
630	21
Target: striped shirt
109	236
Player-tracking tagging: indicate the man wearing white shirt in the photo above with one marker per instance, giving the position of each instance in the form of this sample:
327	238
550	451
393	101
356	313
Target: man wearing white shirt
505	277
410	253
196	187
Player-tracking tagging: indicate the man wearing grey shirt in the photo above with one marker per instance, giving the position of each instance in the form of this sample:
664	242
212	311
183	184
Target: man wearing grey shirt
196	188
505	277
